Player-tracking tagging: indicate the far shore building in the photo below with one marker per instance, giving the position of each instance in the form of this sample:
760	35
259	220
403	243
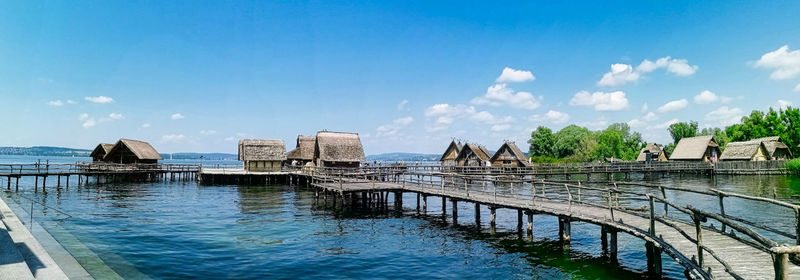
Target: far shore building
509	155
473	155
699	148
99	152
651	152
304	151
338	149
261	155
129	151
450	154
744	151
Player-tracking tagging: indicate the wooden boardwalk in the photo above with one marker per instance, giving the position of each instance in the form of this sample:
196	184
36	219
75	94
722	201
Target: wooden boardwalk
682	233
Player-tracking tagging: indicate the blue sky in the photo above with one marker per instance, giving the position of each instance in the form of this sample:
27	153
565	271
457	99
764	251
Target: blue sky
406	75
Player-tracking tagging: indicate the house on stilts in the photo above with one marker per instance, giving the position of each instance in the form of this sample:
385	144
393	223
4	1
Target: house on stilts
699	148
99	152
450	154
338	149
509	155
473	155
132	151
651	152
261	155
303	153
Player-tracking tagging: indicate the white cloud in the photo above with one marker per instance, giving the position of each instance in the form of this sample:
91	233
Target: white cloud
176	116
173	138
56	103
594	125
394	127
783	63
145	125
643	120
208	132
783	104
83	117
622	74
515	76
706	97
499	94
497	123
672	106
797	88
99	99
445	114
601	101
70	101
90	122
667	123
724	116
551	116
402	105
115	116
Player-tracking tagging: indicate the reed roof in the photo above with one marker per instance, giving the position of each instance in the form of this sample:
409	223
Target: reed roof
514	151
101	150
262	150
304	149
652	148
453	146
744	150
338	147
693	147
142	150
481	152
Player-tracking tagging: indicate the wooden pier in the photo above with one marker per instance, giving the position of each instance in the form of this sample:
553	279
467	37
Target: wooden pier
708	242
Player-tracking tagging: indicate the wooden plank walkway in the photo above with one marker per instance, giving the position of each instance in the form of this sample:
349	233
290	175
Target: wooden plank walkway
747	261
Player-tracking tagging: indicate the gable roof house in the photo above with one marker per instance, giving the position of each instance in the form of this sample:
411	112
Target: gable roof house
132	151
776	149
509	155
304	151
473	155
100	151
262	155
655	153
744	151
450	154
338	149
699	148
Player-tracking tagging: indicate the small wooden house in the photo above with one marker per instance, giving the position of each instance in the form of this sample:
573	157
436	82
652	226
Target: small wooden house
132	151
699	148
776	149
473	155
99	152
262	155
744	151
338	149
450	154
651	152
304	151
509	155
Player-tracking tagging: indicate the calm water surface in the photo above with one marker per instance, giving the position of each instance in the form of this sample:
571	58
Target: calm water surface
178	230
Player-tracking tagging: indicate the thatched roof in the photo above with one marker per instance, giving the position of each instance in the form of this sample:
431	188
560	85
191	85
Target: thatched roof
338	147
453	146
511	148
693	147
480	151
651	148
304	149
101	150
772	143
142	150
740	150
261	150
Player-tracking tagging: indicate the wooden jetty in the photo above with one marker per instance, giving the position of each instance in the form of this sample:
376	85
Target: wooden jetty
708	242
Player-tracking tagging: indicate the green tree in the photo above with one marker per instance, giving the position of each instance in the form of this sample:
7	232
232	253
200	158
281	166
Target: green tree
719	135
681	130
617	141
542	141
568	140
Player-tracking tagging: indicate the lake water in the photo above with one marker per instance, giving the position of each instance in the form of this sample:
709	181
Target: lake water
178	230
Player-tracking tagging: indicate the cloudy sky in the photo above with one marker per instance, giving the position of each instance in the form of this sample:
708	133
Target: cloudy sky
406	75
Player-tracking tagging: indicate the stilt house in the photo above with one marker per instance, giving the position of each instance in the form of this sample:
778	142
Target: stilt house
509	155
338	149
699	148
304	151
449	156
99	152
132	151
651	152
473	155
262	155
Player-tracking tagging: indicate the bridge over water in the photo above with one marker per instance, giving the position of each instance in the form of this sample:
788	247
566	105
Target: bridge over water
679	222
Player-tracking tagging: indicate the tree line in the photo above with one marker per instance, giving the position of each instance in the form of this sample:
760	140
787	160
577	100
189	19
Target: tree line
579	144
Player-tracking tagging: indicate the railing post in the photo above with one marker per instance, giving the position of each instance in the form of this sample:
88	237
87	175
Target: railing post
699	231
652	216
721	208
780	263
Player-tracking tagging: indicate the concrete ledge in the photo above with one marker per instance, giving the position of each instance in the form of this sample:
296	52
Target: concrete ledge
38	261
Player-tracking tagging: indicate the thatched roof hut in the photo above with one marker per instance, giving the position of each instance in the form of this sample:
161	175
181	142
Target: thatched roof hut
699	148
776	149
450	154
655	151
473	155
744	151
304	151
261	150
510	155
132	151
100	151
338	149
